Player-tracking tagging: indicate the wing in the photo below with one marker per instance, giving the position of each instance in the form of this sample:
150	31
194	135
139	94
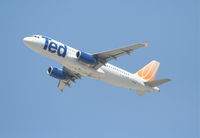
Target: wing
104	57
62	84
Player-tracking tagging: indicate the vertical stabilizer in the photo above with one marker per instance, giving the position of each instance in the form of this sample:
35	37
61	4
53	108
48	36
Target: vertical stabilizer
148	72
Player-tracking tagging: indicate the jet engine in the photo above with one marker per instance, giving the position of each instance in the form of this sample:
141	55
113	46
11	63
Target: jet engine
86	58
57	73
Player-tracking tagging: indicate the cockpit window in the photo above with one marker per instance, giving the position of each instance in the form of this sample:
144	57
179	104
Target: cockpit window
36	36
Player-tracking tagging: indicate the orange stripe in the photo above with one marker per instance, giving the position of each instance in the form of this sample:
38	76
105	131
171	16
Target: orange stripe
149	71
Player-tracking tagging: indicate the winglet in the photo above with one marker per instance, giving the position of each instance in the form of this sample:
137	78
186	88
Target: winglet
146	44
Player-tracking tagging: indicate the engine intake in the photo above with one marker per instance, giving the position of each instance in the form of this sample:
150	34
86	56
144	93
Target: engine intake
86	58
57	73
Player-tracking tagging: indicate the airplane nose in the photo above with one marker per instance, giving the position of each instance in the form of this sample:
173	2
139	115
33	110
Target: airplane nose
27	41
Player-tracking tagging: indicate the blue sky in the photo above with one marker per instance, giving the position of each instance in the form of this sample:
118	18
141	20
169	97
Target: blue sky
32	107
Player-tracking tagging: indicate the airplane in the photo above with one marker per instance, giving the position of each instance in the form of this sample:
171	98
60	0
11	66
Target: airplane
77	64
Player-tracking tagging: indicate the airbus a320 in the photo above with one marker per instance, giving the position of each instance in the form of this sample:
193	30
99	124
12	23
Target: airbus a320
77	63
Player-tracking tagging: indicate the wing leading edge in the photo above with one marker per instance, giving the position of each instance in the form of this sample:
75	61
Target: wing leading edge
106	56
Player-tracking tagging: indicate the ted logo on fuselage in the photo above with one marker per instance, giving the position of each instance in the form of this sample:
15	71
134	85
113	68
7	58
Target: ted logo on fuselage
54	47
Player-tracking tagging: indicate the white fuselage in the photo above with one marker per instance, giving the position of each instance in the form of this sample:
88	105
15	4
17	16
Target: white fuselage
108	73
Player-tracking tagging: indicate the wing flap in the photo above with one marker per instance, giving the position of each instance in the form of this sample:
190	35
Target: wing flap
62	84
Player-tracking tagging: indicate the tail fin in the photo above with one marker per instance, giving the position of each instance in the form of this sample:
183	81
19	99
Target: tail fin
148	72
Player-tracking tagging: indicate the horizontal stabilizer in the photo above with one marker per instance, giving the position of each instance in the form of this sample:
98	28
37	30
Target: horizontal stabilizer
140	93
155	83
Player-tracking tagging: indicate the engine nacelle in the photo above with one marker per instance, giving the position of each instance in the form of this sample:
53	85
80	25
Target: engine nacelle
57	73
86	58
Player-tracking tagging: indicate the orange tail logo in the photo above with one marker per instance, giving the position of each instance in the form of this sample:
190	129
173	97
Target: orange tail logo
148	72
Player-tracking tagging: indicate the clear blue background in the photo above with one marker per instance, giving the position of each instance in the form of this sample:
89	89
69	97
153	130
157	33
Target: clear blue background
32	107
